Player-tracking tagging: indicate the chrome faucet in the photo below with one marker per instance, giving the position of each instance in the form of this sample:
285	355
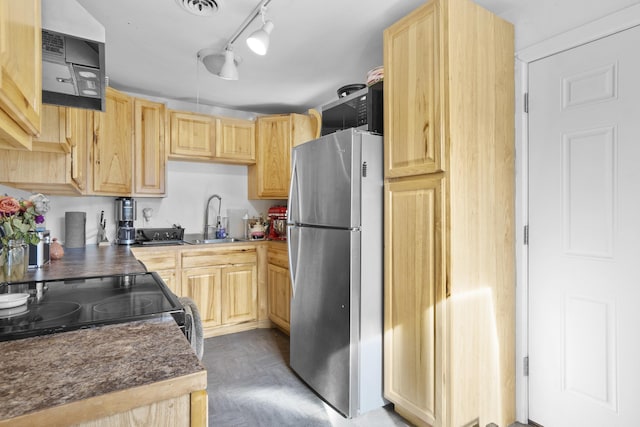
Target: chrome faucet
206	214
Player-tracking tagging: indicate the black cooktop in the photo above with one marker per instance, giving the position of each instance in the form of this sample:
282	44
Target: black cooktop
159	236
68	304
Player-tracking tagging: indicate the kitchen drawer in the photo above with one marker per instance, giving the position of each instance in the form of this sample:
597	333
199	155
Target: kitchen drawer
278	255
206	257
154	259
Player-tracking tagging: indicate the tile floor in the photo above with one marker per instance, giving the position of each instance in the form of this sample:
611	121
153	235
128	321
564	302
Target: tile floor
250	384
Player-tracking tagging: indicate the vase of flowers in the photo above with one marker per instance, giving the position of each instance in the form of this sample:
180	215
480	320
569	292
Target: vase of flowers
19	219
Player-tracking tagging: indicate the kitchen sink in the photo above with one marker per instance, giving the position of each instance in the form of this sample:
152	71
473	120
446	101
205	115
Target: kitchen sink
201	241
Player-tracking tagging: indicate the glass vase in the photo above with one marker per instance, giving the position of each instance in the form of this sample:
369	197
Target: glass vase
14	260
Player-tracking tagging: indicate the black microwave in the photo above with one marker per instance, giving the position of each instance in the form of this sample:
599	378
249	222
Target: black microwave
361	110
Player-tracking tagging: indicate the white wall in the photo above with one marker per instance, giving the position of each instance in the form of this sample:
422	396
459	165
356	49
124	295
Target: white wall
189	185
539	20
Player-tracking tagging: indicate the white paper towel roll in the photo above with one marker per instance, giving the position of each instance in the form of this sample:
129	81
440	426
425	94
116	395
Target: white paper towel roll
74	229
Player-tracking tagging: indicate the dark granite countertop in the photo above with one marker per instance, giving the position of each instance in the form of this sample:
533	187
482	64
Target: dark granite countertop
44	372
41	373
90	261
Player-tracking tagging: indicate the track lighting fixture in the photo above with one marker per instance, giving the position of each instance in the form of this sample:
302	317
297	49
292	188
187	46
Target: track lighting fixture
225	65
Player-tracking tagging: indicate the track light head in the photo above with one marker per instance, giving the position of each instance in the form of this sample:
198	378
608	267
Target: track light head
229	71
258	41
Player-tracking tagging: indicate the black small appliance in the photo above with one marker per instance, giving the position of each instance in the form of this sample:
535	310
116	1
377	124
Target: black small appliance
362	110
125	217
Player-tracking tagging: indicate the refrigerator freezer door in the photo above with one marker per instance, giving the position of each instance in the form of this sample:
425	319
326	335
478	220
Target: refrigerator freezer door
321	337
325	181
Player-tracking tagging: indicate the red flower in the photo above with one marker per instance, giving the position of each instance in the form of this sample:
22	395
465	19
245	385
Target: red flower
9	206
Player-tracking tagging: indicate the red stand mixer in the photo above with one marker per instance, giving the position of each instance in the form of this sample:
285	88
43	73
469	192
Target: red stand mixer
277	223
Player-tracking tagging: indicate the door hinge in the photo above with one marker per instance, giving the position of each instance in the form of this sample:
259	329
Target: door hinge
526	234
526	102
525	366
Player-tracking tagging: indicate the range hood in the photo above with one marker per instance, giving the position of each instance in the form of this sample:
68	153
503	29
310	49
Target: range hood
73	52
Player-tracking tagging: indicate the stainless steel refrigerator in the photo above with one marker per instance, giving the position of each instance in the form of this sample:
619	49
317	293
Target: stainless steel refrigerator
335	236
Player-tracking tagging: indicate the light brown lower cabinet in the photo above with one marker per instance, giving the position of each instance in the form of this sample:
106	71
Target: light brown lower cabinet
279	282
414	295
235	286
224	295
203	286
223	281
239	294
189	410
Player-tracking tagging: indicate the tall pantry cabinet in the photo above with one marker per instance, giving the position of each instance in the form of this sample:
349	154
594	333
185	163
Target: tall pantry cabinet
449	343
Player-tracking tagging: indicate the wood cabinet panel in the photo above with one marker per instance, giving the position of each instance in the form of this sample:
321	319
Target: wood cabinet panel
305	127
413	94
175	412
235	141
150	148
55	130
279	296
192	135
239	294
276	135
203	286
53	171
278	256
111	151
269	177
20	72
155	259
79	134
203	257
164	262
414	286
279	285
170	278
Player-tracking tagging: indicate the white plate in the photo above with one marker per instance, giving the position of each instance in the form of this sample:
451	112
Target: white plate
11	312
12	300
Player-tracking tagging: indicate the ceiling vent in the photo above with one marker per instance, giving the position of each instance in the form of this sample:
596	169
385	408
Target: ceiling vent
200	7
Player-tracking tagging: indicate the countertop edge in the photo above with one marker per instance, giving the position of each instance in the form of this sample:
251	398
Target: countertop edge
111	403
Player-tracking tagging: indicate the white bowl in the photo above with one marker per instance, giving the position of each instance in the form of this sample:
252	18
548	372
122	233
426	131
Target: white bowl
12	300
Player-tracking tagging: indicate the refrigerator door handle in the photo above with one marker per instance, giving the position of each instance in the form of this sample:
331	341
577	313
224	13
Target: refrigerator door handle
294	247
293	212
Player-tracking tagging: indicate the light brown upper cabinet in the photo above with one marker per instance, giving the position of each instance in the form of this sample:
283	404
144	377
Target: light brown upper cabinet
414	94
276	135
49	168
111	152
150	156
269	177
55	132
192	136
20	72
235	141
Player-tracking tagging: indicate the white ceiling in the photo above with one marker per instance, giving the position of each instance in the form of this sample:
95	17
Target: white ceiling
316	47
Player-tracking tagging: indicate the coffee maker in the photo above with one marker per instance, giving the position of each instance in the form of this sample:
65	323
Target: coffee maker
125	216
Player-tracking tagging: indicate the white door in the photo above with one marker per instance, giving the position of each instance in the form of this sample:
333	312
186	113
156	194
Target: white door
584	235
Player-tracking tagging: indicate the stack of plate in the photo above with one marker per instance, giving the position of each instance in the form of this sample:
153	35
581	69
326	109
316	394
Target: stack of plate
13	304
375	75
